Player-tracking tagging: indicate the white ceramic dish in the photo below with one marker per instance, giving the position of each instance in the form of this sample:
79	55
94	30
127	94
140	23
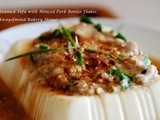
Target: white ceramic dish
141	103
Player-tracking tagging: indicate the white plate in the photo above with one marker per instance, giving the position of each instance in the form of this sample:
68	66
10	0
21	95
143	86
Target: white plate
141	104
148	38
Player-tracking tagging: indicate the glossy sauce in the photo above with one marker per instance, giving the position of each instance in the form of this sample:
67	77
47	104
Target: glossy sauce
156	62
10	109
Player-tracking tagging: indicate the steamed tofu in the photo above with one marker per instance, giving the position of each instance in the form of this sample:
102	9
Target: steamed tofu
82	73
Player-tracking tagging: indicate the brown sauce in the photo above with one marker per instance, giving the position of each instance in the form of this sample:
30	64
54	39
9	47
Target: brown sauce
10	109
156	62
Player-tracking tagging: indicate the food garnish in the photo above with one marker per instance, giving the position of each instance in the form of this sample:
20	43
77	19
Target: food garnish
57	33
120	58
123	77
85	59
79	58
38	51
146	60
67	35
90	50
118	35
45	37
98	27
87	20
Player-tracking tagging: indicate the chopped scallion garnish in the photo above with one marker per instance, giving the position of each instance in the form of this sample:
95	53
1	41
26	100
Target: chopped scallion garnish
85	19
43	46
118	35
120	58
98	27
45	37
123	77
72	32
125	83
118	73
68	35
90	50
79	58
129	76
57	33
31	53
146	60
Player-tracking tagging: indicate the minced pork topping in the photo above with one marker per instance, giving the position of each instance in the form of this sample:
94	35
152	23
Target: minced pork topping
85	59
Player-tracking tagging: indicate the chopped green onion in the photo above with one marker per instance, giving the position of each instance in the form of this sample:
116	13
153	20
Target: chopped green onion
31	53
90	50
48	36
146	60
43	46
45	37
85	19
72	32
98	27
118	35
57	33
118	73
125	83
68	35
129	76
120	58
79	58
123	77
111	72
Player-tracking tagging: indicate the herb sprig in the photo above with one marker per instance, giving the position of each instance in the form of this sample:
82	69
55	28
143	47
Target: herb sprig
31	53
118	35
146	60
79	58
90	50
87	20
57	33
119	57
123	77
67	34
118	73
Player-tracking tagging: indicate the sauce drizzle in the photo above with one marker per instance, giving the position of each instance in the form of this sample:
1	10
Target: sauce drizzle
10	109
